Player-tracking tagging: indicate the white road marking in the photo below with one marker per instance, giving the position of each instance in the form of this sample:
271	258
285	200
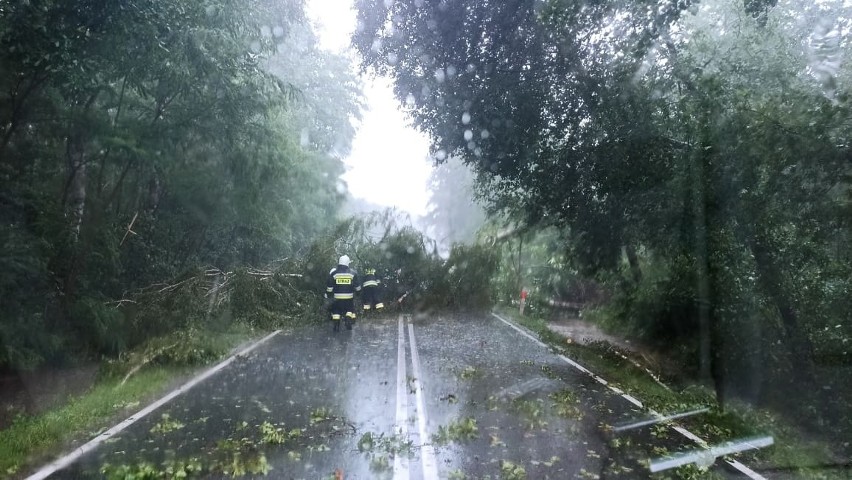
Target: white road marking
519	330
427	452
695	438
400	465
686	433
71	457
575	365
632	399
745	470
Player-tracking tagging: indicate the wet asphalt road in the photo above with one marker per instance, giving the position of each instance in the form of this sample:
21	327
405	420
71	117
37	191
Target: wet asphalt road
437	396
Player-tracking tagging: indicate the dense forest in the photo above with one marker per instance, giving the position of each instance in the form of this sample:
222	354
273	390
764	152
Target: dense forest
143	142
688	161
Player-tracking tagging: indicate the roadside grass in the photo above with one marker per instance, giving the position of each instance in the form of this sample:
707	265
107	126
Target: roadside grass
792	451
32	439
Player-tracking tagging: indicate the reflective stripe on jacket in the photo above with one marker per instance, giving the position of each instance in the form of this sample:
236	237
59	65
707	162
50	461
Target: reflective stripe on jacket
342	283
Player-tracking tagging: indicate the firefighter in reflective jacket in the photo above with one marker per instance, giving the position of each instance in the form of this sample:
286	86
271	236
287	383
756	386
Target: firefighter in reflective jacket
341	286
370	291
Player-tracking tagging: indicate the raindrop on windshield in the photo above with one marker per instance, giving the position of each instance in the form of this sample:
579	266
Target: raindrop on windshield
468	135
465	118
265	31
484	134
377	45
441	154
409	100
392	58
278	31
439	75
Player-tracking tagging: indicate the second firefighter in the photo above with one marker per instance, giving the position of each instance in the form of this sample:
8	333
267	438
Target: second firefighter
370	291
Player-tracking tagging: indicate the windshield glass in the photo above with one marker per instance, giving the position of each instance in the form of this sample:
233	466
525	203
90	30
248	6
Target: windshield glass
425	239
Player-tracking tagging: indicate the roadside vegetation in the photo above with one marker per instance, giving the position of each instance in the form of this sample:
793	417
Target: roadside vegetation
680	174
794	450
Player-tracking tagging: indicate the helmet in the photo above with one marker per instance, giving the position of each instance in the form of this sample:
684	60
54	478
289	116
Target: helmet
344	260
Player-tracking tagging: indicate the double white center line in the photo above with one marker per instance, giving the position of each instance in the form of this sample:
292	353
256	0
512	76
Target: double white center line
427	452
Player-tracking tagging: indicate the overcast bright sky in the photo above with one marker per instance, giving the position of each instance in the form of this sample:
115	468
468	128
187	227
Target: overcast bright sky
389	162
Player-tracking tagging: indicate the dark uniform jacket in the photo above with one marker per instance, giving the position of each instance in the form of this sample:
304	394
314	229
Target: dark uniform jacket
342	283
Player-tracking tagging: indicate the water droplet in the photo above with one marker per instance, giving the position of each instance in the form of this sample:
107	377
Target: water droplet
409	101
377	45
210	10
418	3
255	46
439	75
265	31
477	151
392	58
278	31
410	250
451	71
341	188
471	145
484	134
304	138
465	118
281	48
470	68
468	135
441	154
388	3
425	91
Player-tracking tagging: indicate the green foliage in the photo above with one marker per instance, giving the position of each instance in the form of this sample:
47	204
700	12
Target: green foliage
140	144
148	471
460	430
166	425
43	433
512	471
693	162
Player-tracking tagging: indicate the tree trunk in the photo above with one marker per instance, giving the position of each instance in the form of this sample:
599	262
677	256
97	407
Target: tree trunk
769	278
633	261
75	197
704	302
520	278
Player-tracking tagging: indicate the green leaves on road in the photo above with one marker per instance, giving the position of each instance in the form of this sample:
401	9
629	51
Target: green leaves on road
460	430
